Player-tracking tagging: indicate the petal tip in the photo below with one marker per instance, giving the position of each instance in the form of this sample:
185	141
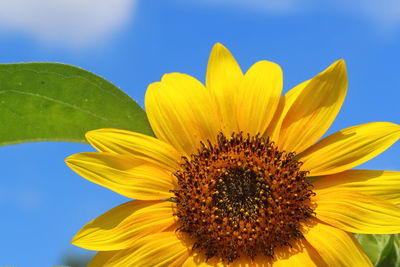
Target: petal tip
218	45
94	134
269	65
153	86
340	64
72	160
68	160
77	241
91	134
341	61
169	77
220	49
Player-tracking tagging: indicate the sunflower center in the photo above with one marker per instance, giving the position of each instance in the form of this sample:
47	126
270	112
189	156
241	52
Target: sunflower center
236	193
242	197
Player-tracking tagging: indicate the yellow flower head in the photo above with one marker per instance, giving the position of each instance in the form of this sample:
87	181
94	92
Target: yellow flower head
237	176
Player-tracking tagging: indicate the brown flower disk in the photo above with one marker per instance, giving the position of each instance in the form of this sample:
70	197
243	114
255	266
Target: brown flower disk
241	197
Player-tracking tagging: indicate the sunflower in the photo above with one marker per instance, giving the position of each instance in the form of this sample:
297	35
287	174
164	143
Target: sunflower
237	176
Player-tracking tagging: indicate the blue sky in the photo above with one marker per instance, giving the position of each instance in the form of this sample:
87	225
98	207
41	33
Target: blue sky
132	43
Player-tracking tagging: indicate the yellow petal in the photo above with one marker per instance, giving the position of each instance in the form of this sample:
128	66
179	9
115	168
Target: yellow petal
247	262
285	103
126	175
382	184
357	213
135	144
258	97
223	78
306	257
161	249
190	262
200	260
349	148
101	258
310	115
182	112
120	227
336	247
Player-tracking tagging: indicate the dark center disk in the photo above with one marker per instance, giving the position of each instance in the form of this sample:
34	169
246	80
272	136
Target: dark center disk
237	191
242	197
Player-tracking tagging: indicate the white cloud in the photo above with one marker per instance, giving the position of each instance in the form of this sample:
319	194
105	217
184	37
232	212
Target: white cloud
68	22
385	13
270	6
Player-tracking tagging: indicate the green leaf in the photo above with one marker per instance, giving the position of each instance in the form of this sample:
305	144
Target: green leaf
383	250
58	102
